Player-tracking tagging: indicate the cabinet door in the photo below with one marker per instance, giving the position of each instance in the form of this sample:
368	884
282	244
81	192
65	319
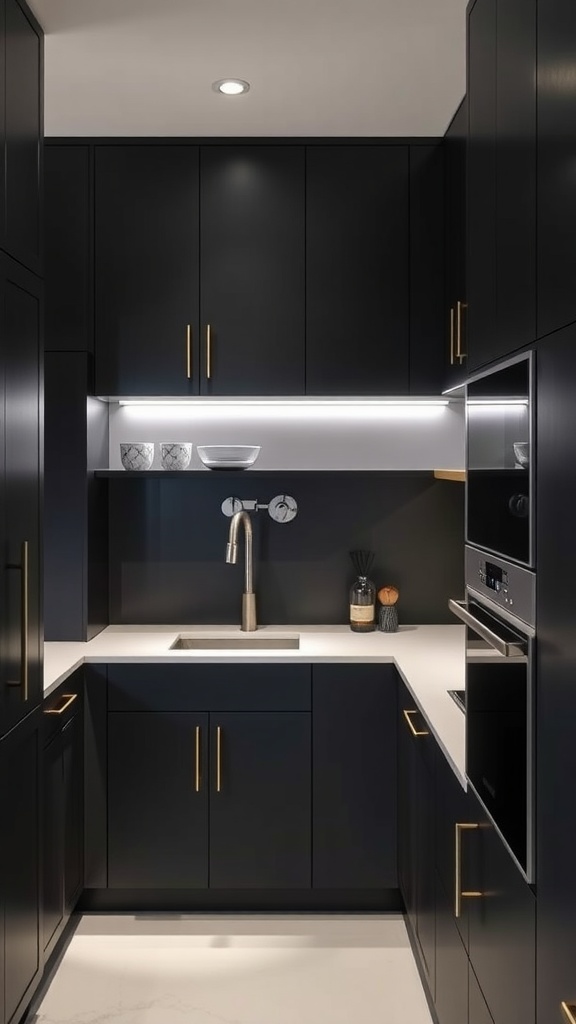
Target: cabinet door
502	928
478	1012
556	185
357	270
157	800
451	997
146	270
260	804
252	281
20	325
24	104
455	142
354	777
73	784
452	808
20	862
426	342
53	832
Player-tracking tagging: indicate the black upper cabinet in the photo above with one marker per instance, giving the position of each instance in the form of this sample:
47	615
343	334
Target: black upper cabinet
252	270
455	142
556	180
22	236
501	167
146	270
20	623
427	270
357	270
354	777
67	249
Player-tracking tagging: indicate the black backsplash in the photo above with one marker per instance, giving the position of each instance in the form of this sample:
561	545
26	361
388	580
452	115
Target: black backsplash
168	541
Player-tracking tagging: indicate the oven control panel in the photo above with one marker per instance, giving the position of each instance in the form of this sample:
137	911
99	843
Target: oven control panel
509	586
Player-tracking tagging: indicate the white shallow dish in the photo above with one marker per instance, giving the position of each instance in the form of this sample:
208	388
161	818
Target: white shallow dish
228	456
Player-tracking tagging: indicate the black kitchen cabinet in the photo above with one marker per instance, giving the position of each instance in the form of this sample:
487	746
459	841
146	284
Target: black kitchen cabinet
20	618
416	832
452	810
252	280
63	807
451	993
68	249
501	171
146	270
354	773
20	863
455	142
357	270
23	129
478	1012
556	203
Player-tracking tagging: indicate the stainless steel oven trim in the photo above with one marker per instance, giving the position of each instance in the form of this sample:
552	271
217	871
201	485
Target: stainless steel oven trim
506	649
531	358
502	613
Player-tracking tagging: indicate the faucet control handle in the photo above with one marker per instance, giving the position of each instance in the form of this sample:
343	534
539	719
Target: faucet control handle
282	509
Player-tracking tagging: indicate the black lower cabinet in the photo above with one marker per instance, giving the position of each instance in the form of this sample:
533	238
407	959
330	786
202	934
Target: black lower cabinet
451	996
478	1012
63	811
354	777
20	863
416	832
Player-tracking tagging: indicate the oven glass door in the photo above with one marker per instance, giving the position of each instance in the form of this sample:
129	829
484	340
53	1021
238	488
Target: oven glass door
499	498
499	737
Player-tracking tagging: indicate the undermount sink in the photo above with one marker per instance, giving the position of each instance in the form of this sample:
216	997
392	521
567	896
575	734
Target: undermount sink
226	643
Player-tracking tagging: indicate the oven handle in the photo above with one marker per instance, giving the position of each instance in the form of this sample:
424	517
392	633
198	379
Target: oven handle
504	647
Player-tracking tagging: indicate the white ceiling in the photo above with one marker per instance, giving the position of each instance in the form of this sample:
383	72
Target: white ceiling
316	67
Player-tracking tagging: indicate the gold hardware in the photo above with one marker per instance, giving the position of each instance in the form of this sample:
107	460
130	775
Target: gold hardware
197	779
218	759
415	732
459	307
23	568
569	1011
208	351
188	351
458	894
451	335
68	699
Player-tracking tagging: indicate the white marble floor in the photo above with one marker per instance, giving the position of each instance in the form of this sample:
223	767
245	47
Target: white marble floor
242	969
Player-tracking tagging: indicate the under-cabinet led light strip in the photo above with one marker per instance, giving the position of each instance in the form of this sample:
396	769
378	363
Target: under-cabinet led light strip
303	403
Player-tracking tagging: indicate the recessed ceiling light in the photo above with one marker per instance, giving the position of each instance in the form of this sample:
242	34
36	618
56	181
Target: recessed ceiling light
231	86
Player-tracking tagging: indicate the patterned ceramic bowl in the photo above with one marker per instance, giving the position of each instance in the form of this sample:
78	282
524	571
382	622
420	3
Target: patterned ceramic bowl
175	454
137	454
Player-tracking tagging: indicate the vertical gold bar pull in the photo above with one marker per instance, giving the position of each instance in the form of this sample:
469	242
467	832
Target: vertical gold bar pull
458	894
197	775
451	335
208	351
218	759
569	1011
189	351
460	355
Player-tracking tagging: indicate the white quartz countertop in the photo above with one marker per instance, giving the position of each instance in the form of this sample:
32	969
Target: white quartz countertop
430	660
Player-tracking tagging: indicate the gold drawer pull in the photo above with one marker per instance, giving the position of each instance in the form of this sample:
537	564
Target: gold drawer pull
569	1011
208	351
415	732
188	351
67	699
218	759
197	775
458	894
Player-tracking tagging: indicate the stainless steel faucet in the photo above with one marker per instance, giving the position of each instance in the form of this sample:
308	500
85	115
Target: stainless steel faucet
248	597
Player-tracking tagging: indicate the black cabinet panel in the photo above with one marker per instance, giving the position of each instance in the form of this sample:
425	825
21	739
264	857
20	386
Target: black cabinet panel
53	836
451	997
357	270
260	806
452	807
23	169
68	249
252	270
556	179
146	269
478	1012
157	800
427	266
354	776
455	143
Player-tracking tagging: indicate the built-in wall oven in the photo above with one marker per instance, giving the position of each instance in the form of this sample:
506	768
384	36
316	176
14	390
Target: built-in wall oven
500	461
499	611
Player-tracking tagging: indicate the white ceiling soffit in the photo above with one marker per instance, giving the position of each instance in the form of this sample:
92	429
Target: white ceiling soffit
316	67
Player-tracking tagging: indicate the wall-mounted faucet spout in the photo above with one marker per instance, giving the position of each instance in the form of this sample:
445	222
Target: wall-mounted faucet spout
248	597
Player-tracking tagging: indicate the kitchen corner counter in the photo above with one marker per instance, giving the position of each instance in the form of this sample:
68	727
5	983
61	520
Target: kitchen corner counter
430	660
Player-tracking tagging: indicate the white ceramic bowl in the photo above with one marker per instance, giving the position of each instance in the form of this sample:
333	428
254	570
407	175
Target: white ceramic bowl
228	456
175	454
137	454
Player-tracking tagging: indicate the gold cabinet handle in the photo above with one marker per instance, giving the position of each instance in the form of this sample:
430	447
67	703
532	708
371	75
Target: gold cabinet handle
451	335
66	700
459	827
189	351
460	355
208	351
23	568
415	732
218	759
197	775
569	1011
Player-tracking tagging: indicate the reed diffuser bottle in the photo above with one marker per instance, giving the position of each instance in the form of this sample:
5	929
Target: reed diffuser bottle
362	594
